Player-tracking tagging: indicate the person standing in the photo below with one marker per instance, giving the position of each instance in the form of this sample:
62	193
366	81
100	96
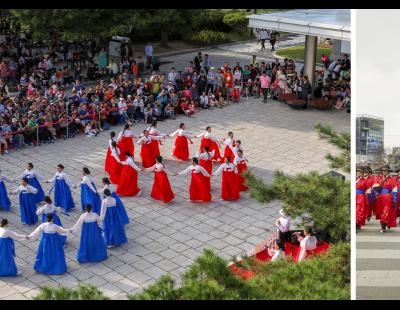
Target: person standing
211	141
181	149
5	202
92	246
199	189
33	179
49	208
114	229
265	84
27	202
360	198
50	257
149	55
8	268
262	37
89	194
62	190
273	38
107	163
120	205
306	90
128	185
147	151
240	163
229	144
161	189
386	199
153	131
370	198
198	62
125	141
230	186
205	160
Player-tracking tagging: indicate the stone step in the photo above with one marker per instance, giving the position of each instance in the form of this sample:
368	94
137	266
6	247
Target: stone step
377	264
377	292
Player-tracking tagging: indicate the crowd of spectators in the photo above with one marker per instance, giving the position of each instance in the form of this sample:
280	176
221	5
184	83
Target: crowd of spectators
45	108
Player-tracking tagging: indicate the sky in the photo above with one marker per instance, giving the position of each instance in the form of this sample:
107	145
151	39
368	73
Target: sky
378	68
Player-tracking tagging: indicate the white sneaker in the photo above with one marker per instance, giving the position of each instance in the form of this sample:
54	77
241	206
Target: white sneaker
19	273
6	151
138	194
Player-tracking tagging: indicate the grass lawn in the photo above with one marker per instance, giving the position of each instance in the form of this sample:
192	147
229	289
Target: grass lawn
297	52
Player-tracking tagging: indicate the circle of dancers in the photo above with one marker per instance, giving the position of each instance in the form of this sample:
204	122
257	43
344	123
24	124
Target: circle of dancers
102	223
377	195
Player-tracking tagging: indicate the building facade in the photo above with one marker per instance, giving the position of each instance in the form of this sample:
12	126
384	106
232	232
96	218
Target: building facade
369	137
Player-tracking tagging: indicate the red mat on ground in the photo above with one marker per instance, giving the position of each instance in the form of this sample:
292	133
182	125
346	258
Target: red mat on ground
291	249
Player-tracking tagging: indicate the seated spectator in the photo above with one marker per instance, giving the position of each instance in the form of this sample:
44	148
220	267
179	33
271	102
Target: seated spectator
90	130
277	252
186	108
170	111
147	114
18	139
204	104
3	141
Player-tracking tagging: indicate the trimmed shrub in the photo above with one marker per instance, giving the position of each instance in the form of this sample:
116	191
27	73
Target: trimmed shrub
207	37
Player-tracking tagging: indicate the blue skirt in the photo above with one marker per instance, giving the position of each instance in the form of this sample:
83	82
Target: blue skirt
88	196
92	248
114	229
35	183
5	202
7	254
50	258
62	195
121	209
27	205
56	220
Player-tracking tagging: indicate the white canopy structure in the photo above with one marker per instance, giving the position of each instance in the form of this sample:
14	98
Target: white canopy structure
313	23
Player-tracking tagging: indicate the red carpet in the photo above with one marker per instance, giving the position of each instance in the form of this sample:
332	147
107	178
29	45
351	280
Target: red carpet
291	249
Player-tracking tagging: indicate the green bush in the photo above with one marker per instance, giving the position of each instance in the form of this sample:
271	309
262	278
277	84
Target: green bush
82	292
206	37
236	20
212	19
324	276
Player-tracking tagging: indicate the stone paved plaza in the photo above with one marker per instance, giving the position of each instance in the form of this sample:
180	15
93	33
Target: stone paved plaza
167	238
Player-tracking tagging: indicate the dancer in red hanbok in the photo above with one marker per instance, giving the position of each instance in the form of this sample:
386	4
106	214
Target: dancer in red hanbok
125	141
181	150
237	146
107	163
127	185
153	131
199	189
229	145
115	163
369	195
161	187
240	163
398	192
211	141
230	183
205	160
377	180
147	153
360	198
387	200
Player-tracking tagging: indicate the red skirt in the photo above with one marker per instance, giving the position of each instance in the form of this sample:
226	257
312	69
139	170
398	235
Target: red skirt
199	188
207	164
361	210
156	150
398	204
126	144
230	186
115	171
148	158
127	185
213	146
389	211
181	150
242	181
161	187
228	152
107	163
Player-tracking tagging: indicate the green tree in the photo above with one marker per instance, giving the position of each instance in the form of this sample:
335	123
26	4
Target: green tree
82	292
342	141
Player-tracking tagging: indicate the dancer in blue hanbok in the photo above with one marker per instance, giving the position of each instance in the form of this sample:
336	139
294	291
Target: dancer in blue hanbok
49	208
33	179
27	202
92	247
114	229
120	206
62	189
89	194
50	257
5	202
7	250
